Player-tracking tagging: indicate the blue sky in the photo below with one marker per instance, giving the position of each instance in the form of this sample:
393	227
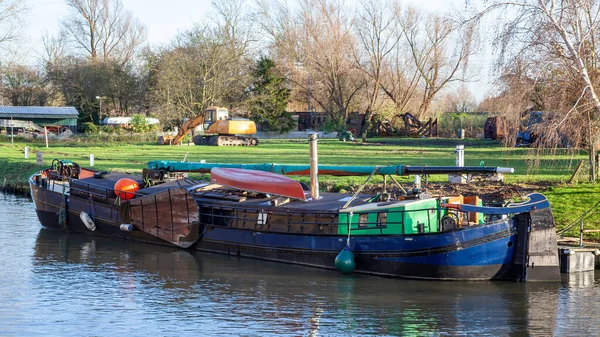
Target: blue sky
163	19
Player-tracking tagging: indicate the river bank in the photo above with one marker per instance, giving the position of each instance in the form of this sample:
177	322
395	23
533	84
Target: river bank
546	173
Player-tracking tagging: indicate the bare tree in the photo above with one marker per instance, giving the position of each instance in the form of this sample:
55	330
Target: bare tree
400	78
11	12
376	32
460	100
560	38
103	29
205	66
316	47
24	86
440	49
55	49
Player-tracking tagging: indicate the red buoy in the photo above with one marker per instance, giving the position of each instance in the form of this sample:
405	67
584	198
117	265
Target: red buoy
125	188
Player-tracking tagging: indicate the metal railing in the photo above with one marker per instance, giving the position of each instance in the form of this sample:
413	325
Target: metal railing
324	222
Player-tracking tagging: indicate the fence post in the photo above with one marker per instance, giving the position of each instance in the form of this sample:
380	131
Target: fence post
46	133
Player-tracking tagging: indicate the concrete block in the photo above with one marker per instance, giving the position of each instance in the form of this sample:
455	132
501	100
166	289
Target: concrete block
572	260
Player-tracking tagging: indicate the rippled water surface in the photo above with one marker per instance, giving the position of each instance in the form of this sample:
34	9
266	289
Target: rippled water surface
57	284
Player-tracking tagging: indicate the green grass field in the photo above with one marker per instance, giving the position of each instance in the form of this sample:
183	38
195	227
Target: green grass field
551	169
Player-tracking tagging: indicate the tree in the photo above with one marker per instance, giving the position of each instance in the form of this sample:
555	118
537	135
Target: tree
439	48
200	70
11	12
25	86
207	65
268	98
103	30
80	81
376	27
556	40
460	100
315	45
139	123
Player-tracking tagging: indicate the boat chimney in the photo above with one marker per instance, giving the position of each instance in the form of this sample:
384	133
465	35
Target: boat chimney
314	166
460	162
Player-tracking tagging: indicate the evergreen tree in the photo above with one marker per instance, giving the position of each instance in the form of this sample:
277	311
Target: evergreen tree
268	98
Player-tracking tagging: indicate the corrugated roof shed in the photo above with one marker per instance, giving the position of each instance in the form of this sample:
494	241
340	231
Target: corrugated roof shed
17	112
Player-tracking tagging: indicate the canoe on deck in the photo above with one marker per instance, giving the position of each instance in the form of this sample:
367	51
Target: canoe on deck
257	181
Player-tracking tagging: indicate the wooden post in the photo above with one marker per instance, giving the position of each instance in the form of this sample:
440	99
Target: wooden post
575	173
46	133
39	158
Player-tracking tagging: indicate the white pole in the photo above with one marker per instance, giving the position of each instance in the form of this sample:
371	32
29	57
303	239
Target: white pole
460	155
12	133
314	166
91	159
46	133
417	181
26	152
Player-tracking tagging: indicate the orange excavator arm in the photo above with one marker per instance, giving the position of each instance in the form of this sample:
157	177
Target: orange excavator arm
186	127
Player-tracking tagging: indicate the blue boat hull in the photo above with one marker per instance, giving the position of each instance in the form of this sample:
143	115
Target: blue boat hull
476	253
521	247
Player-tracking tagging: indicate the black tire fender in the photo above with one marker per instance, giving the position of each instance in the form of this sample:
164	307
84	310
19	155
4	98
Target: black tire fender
101	174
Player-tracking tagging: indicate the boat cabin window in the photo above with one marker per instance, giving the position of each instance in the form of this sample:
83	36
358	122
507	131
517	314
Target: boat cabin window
363	220
381	219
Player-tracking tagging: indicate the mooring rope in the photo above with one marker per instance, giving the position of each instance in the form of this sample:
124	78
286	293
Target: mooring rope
62	213
361	187
587	213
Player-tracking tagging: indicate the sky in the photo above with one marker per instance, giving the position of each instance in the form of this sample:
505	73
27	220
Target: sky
164	19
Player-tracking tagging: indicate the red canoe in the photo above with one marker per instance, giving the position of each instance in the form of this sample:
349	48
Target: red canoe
257	181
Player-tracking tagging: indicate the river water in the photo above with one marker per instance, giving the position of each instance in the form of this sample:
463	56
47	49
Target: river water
57	284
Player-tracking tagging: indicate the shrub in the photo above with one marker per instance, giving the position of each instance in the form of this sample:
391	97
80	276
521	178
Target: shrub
139	124
90	128
450	122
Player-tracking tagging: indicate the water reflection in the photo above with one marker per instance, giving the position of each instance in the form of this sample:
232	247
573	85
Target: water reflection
56	284
228	295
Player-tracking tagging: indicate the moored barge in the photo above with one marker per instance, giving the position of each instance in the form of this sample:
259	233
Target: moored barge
248	212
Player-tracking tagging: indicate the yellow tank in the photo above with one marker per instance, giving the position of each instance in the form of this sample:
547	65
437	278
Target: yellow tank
236	126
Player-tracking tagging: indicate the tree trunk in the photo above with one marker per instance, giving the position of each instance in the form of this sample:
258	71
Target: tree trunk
592	157
365	125
592	149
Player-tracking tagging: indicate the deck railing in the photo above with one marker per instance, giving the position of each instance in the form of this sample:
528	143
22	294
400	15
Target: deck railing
303	222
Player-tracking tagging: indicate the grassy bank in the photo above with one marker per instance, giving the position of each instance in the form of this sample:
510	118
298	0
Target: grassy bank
546	172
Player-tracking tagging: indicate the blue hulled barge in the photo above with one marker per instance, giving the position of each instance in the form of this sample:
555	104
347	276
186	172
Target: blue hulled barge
239	212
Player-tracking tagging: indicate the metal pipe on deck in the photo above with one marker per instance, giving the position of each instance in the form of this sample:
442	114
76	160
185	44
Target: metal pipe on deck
334	170
314	166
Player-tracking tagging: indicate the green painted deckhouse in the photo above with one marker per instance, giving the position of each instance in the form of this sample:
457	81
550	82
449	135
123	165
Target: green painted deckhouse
40	115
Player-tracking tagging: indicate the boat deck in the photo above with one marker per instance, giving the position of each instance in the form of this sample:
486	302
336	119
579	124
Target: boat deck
206	194
101	189
327	201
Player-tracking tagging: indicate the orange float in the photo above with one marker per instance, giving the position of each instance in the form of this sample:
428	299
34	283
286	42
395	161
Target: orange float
125	188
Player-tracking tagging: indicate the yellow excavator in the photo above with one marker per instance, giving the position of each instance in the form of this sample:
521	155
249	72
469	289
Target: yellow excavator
219	130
